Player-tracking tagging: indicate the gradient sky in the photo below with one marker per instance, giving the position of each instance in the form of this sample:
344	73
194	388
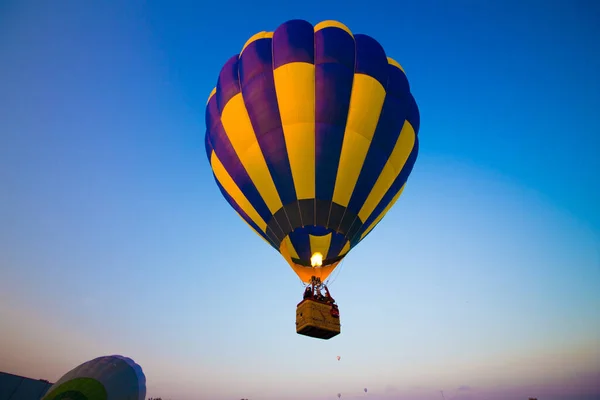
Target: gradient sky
483	281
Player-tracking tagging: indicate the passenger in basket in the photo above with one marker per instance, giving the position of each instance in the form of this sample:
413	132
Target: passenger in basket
308	293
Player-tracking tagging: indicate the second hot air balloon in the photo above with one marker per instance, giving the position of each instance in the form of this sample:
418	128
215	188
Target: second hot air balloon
103	378
311	137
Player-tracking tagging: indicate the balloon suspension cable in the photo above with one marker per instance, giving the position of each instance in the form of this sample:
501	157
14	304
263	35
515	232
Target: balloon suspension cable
329	281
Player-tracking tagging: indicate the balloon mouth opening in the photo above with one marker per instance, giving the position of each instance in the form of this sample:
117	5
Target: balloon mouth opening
314	247
316	260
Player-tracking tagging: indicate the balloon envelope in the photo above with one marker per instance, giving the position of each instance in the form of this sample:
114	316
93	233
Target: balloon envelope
103	378
311	136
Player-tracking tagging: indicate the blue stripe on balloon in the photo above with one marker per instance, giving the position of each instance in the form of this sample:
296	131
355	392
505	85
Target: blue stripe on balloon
212	115
293	41
228	84
301	242
335	247
397	84
207	145
414	116
334	74
334	45
371	59
260	99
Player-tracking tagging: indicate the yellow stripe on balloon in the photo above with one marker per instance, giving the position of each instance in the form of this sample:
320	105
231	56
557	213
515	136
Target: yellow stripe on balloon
320	244
240	132
366	102
295	88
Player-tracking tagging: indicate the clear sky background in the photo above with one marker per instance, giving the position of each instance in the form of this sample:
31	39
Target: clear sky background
483	281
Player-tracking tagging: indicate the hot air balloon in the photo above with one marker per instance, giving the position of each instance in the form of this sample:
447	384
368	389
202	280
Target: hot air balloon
110	377
311	134
339	395
338	358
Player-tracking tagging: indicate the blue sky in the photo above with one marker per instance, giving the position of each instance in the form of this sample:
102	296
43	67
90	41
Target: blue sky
115	239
